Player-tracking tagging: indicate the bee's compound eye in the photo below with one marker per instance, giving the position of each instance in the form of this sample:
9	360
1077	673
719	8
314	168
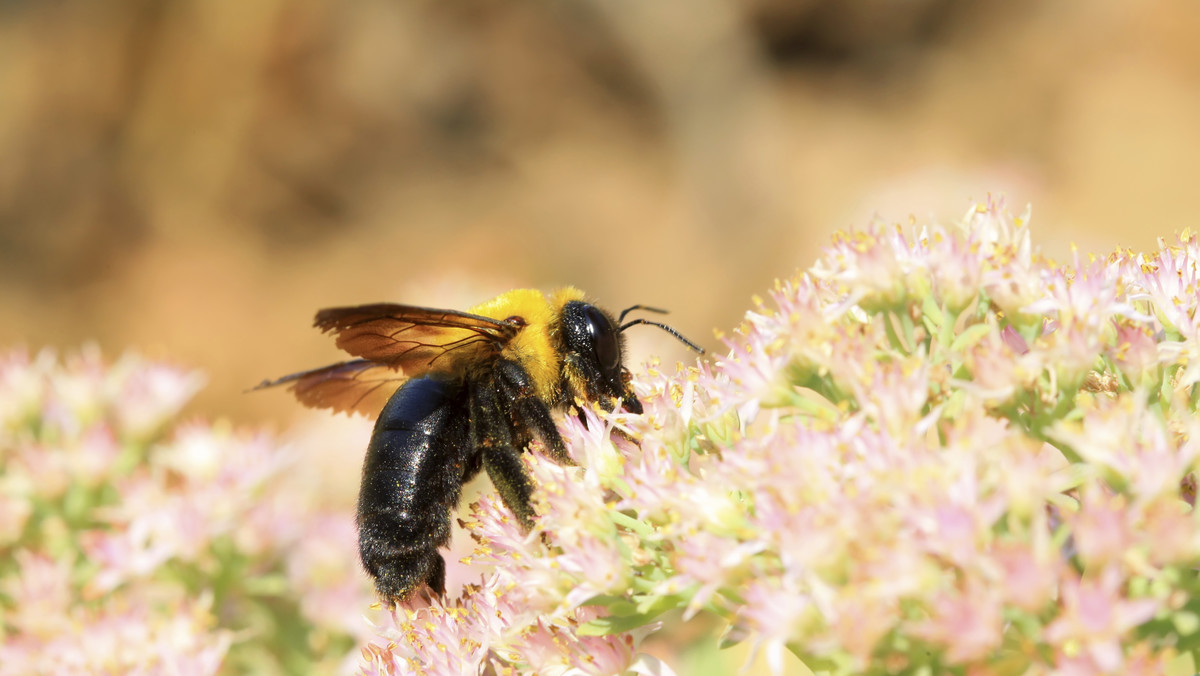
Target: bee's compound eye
604	339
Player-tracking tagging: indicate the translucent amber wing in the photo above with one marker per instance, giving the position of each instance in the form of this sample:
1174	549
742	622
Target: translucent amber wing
358	386
415	340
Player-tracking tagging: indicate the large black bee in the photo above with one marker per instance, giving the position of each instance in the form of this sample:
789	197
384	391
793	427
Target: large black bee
474	389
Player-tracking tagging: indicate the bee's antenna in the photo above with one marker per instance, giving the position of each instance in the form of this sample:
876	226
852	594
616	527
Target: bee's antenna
664	327
621	317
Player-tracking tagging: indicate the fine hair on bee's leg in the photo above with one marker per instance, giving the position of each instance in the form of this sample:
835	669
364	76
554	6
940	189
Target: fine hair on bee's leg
492	434
523	404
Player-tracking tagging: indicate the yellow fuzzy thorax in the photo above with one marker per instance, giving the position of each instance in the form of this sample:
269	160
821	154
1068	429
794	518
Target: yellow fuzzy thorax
536	347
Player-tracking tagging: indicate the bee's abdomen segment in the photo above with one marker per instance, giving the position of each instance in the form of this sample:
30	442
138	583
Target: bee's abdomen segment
412	477
399	566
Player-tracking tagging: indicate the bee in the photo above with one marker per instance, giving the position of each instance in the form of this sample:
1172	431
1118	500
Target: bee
456	393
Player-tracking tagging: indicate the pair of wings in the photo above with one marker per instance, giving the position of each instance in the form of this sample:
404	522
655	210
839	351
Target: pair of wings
393	343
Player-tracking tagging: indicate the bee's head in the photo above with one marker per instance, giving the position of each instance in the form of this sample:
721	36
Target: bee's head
594	350
593	360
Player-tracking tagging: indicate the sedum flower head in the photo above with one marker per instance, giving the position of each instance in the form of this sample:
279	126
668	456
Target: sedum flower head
131	543
934	452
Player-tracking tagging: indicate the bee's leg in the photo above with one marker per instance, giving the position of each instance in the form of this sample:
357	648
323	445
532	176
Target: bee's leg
436	581
503	465
520	398
434	587
493	436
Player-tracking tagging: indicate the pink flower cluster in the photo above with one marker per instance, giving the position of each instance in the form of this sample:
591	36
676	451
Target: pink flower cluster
933	452
130	543
935	449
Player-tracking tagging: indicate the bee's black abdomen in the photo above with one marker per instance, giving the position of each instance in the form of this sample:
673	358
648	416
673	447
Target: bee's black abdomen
412	478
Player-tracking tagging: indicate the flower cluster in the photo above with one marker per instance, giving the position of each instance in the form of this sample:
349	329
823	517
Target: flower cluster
130	543
934	452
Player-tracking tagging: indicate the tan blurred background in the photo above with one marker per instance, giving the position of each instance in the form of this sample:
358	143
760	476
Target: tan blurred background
194	178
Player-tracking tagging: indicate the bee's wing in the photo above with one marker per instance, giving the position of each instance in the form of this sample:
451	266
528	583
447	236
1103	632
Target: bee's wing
414	340
357	386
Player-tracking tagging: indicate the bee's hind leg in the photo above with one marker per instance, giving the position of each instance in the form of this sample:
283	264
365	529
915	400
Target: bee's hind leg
493	438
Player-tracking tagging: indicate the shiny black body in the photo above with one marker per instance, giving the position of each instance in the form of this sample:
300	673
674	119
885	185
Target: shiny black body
432	437
415	466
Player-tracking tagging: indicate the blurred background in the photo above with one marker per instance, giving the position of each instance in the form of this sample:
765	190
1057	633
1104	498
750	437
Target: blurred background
194	178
